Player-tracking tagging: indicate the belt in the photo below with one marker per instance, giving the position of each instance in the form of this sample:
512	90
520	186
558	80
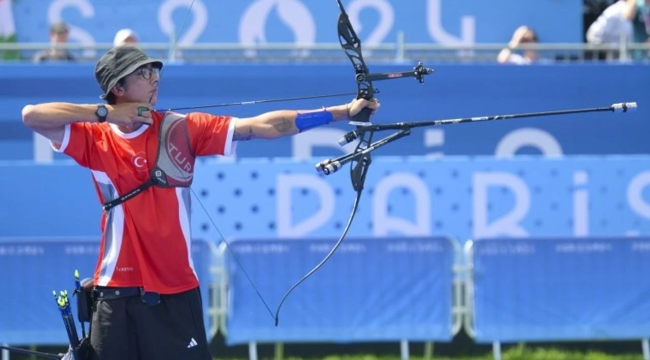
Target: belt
108	293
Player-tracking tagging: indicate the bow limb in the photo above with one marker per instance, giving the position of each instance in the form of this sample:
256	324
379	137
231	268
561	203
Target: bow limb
329	255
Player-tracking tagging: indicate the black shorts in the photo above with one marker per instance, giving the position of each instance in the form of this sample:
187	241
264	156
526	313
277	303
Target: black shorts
127	328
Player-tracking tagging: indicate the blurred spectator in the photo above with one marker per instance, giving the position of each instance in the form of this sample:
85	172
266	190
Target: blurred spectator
125	36
58	37
523	35
613	25
641	20
623	21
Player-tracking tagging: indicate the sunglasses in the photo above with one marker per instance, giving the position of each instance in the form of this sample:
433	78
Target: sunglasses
147	71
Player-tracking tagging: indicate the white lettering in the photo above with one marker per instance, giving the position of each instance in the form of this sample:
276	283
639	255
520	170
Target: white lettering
43	153
580	205
285	184
438	33
343	248
583	247
383	223
635	194
540	139
293	13
192	33
386	20
262	249
507	225
181	160
55	14
434	138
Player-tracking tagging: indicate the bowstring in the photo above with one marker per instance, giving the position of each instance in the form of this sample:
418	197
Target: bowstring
176	35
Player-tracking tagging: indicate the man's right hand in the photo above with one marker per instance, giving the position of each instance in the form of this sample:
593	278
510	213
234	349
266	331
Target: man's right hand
129	114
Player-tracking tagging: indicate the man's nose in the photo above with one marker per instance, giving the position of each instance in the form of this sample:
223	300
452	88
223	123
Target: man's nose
155	76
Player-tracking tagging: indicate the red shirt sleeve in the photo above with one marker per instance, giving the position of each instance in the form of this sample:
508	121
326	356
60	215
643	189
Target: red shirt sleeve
211	134
78	143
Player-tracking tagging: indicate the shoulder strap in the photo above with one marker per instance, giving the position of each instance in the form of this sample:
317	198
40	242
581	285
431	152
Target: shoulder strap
174	165
113	203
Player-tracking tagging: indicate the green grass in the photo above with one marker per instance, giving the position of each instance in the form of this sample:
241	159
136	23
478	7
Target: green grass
515	353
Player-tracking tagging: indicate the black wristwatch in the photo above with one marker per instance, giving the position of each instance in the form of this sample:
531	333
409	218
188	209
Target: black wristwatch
101	112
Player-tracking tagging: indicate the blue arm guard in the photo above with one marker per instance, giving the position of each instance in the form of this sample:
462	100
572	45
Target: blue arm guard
313	119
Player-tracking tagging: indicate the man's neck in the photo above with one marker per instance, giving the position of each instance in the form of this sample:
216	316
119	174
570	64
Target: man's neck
130	128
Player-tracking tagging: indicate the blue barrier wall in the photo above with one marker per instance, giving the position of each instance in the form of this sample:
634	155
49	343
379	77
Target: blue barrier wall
561	289
304	21
32	268
459	197
452	91
370	290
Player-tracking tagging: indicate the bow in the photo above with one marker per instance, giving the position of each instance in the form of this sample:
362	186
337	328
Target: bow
351	45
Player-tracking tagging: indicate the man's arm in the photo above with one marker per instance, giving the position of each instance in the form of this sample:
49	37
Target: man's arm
50	119
504	55
276	124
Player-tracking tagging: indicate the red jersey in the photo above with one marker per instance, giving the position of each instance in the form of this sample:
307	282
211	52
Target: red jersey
145	240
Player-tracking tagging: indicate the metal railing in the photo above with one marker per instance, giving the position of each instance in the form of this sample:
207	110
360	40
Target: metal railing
397	52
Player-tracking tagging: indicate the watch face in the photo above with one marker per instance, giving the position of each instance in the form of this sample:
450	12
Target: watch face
102	111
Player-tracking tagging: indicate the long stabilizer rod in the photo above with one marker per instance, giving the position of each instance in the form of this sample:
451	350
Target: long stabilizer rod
354	134
619	107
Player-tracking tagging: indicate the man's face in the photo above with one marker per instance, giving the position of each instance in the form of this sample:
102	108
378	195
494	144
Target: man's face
59	37
141	85
528	37
133	40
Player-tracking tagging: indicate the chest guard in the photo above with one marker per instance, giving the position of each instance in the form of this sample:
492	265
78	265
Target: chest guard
174	165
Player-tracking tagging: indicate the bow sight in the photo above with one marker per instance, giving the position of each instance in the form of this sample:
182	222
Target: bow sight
418	73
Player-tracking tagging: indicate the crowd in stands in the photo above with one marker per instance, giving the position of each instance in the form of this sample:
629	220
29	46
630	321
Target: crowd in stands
605	21
59	36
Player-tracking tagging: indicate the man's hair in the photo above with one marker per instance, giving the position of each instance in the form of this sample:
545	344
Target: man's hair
59	28
110	98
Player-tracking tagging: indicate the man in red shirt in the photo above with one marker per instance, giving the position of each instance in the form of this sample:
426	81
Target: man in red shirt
148	303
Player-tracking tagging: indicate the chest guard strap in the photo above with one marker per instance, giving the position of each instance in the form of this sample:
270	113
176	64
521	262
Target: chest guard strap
174	165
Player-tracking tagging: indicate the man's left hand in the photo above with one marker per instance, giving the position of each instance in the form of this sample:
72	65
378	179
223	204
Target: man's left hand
357	105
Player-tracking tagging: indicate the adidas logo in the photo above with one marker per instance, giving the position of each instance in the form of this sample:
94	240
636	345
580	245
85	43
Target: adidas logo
192	344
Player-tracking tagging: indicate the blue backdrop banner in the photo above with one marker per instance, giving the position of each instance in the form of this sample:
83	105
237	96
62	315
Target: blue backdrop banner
371	290
452	91
301	21
458	197
32	268
561	289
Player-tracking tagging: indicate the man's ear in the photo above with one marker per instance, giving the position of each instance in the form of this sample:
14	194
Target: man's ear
118	90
